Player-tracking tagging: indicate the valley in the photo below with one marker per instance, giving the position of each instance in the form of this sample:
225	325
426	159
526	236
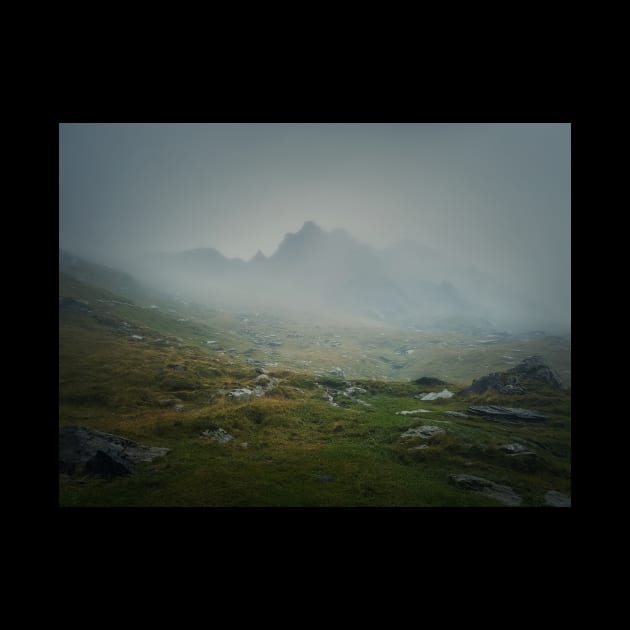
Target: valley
321	424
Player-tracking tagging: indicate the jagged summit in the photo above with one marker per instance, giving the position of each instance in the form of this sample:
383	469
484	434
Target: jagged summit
259	257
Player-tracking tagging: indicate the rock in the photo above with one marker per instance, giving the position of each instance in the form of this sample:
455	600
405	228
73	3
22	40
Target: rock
355	390
261	370
501	493
102	464
429	381
337	371
412	412
178	407
556	499
492	412
136	337
258	391
218	435
515	449
426	432
240	394
244	444
262	378
101	453
422	447
530	372
445	393
456	414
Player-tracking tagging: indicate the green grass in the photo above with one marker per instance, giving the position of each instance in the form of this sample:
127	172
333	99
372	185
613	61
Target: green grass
109	382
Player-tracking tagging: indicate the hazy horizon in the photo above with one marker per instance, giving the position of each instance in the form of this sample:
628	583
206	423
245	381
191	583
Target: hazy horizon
496	196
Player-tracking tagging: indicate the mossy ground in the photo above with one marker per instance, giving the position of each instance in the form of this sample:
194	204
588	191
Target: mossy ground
295	441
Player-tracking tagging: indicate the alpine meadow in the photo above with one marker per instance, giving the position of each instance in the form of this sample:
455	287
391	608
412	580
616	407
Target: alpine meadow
315	315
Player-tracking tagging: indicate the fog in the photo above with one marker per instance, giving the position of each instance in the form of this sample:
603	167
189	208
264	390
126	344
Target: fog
482	207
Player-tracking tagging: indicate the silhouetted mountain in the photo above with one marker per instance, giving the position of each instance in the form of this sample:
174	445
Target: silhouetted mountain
406	284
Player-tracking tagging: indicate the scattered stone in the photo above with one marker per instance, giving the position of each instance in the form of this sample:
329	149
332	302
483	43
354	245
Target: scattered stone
412	412
101	453
422	447
515	449
456	414
501	493
362	402
337	371
211	343
445	393
242	393
244	444
136	337
178	407
429	381
426	432
506	413
556	499
261	370
219	435
263	378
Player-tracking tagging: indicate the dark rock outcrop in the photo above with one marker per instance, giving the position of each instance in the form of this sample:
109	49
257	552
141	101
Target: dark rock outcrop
530	372
493	412
501	493
101	454
429	381
554	498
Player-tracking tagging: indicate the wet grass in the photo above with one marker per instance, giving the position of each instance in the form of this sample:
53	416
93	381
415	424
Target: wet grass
290	448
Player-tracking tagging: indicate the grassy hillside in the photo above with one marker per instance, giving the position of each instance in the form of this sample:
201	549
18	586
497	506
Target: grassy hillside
147	372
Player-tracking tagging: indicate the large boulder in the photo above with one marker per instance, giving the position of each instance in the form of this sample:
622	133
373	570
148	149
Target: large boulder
553	498
488	488
530	372
101	454
493	412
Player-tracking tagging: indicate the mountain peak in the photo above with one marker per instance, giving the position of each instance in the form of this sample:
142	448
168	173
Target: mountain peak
310	227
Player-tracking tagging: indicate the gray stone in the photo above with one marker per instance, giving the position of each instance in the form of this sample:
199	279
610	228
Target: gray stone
218	435
488	488
242	393
556	499
355	390
263	378
260	370
515	449
456	414
426	432
445	393
337	371
506	413
412	412
101	453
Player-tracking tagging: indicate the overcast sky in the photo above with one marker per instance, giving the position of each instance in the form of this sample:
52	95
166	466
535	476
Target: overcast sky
496	195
